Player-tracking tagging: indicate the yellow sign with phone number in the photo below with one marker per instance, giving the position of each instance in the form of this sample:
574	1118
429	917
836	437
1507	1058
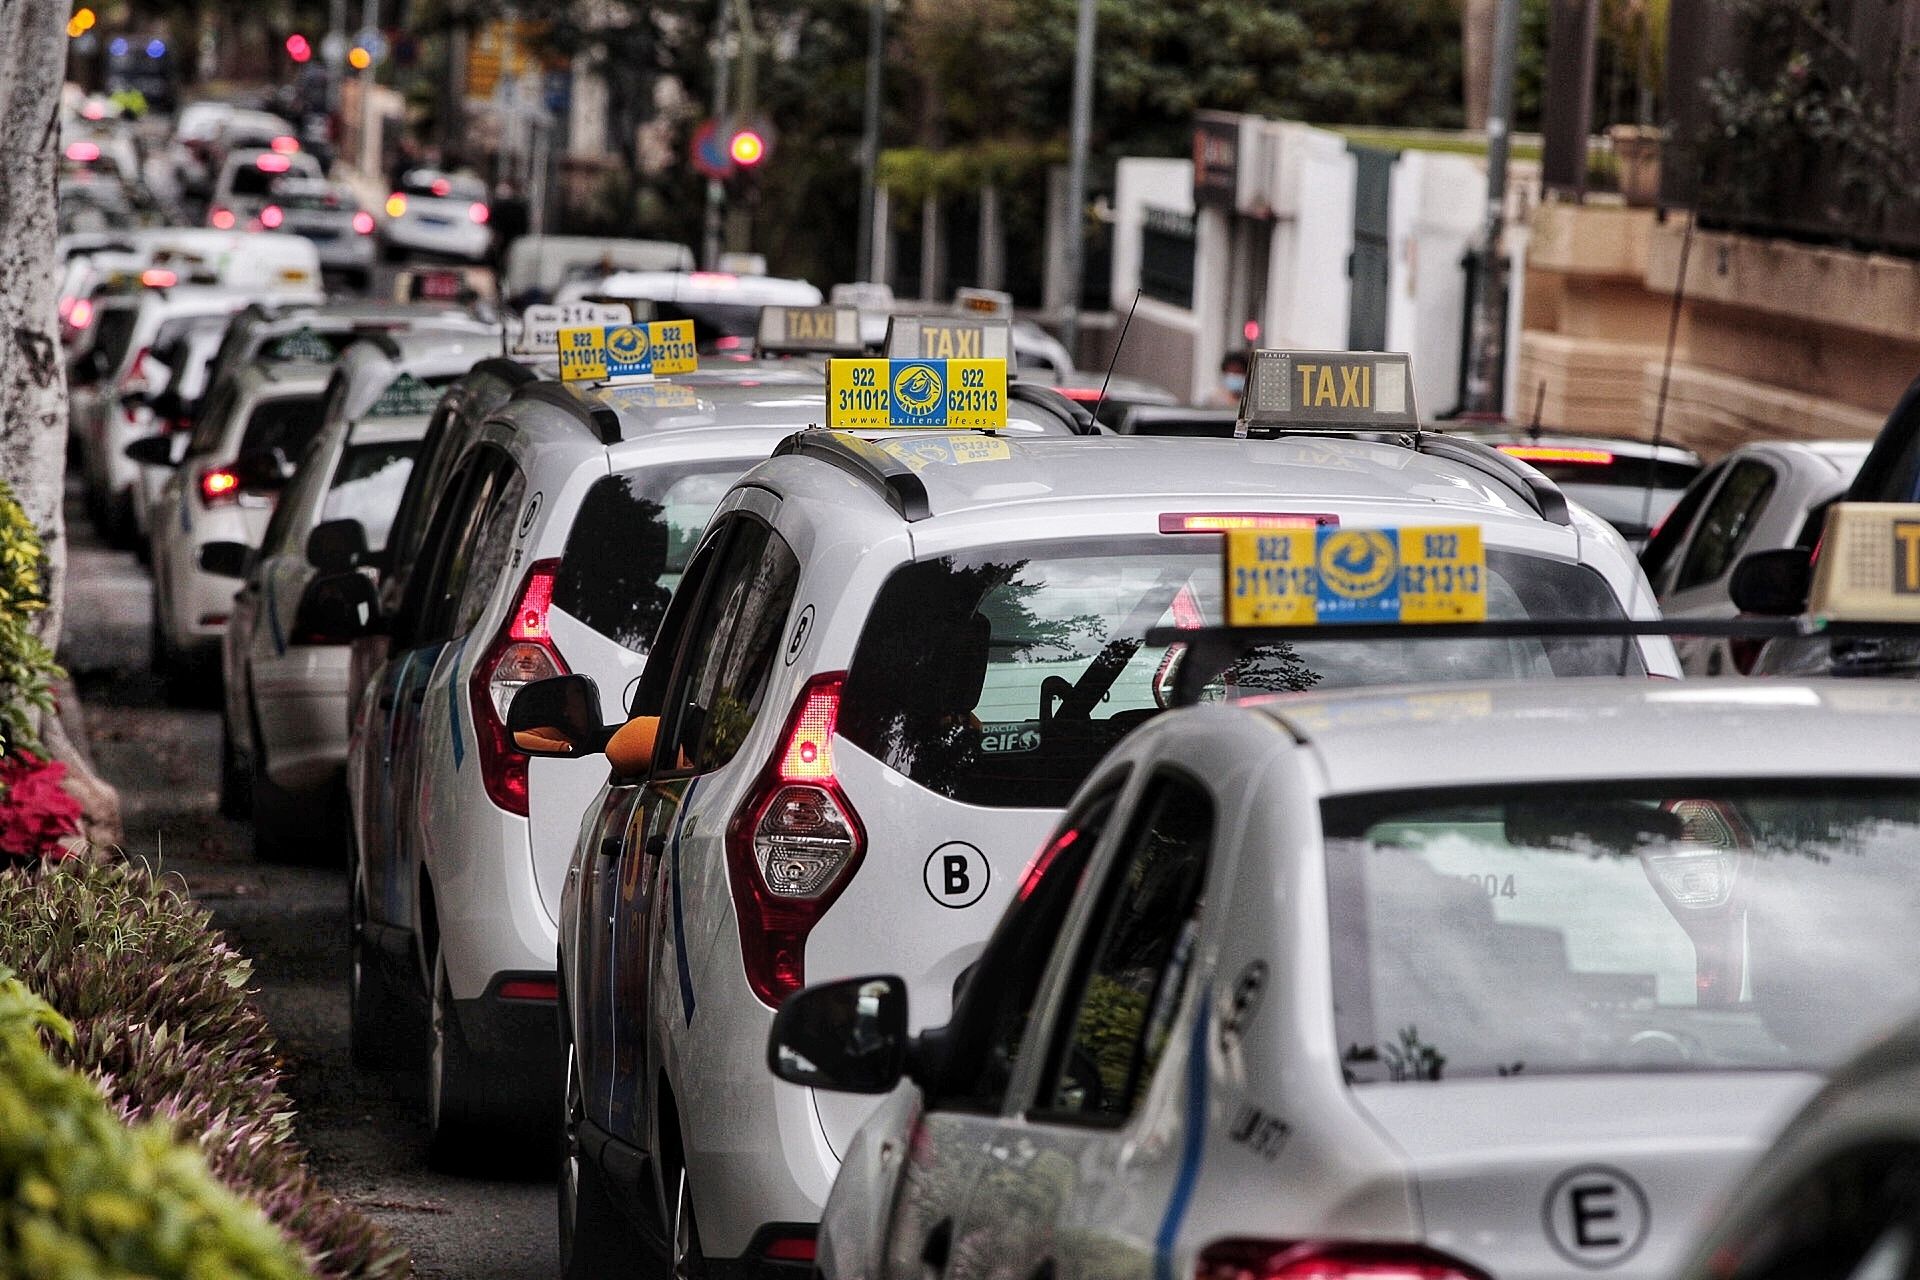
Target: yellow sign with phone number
594	353
1316	576
866	395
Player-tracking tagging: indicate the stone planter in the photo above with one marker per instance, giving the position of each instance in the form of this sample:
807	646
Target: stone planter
1636	148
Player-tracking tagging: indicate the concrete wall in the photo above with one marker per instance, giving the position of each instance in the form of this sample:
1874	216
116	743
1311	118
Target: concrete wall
1436	207
1309	187
1775	339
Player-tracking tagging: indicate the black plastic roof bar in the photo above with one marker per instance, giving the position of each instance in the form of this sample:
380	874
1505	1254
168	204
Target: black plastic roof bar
894	479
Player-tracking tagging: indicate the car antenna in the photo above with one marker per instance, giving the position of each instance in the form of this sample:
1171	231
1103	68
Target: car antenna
1539	403
1115	358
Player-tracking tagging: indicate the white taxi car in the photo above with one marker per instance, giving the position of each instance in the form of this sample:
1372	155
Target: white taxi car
284	722
892	659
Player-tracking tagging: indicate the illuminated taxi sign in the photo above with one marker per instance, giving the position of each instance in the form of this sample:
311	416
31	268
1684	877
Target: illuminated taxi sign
947	394
986	303
1868	569
540	324
948	338
809	331
1329	575
1329	390
598	352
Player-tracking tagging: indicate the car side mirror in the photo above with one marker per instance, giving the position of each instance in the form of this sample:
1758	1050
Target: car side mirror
558	717
336	608
153	451
226	559
848	1036
337	546
1773	584
262	471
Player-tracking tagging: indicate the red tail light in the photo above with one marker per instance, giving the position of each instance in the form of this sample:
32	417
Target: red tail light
219	487
1559	453
795	1248
272	162
793	846
1048	856
82	314
271	217
83	152
159	278
222	219
1223	521
441	187
285	144
477	212
521	654
363	223
1276	1260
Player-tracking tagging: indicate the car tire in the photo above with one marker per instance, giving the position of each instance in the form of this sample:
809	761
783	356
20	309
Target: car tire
236	789
376	1013
686	1261
595	1240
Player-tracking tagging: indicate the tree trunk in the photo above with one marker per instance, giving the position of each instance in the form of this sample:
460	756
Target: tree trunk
33	384
1477	18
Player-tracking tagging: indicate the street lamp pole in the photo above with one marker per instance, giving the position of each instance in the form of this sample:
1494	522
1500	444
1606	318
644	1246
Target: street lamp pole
1486	377
1080	128
722	87
870	139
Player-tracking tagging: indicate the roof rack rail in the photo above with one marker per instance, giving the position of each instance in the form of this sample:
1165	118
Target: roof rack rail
894	479
1535	489
601	419
383	339
508	370
1078	416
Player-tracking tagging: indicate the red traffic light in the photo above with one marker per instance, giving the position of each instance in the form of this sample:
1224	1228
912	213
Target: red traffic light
298	49
747	148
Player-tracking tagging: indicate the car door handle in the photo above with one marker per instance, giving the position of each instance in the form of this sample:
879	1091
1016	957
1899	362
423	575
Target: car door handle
938	1248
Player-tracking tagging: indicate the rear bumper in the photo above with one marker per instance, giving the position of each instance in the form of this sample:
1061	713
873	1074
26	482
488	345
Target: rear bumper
470	241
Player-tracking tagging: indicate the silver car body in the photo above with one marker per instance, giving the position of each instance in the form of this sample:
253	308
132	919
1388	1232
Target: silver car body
1248	1127
1761	497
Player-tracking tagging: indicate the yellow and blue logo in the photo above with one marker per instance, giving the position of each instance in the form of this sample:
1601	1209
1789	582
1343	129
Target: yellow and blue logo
599	352
1317	576
919	393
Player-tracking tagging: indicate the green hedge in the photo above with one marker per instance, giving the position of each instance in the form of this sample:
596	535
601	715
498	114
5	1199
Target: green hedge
84	1196
162	1018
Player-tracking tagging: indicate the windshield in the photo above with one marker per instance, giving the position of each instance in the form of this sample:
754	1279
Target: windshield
367	486
630	542
1631	927
713	321
1001	675
286	423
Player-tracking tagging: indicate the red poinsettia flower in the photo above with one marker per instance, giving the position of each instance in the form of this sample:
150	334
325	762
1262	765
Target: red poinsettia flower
37	816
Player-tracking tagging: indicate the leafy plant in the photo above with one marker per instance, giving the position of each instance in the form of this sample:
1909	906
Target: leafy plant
84	1195
162	1019
27	668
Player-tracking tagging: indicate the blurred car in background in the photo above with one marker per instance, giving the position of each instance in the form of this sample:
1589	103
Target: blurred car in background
244	188
328	214
435	212
1629	484
724	308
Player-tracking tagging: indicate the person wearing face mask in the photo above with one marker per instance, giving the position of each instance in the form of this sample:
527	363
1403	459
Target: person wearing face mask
1233	379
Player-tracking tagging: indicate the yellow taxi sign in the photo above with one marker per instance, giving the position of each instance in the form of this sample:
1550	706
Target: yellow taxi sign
948	338
598	352
865	395
1868	568
1330	390
1317	576
809	331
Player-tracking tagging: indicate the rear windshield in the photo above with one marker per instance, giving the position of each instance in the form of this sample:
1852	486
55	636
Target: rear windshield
1001	675
629	545
1625	927
251	180
446	186
286	424
367	486
312	201
713	321
1619	470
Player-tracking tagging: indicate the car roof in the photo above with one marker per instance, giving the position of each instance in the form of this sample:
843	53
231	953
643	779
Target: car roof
1308	469
1844	456
1472	733
708	286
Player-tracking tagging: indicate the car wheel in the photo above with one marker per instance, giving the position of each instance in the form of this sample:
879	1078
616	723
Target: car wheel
236	792
688	1262
376	1014
595	1240
160	658
452	1122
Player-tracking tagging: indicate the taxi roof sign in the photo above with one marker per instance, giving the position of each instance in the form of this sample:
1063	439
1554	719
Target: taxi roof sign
1868	569
948	338
541	323
1329	391
948	395
598	353
1332	575
794	331
987	303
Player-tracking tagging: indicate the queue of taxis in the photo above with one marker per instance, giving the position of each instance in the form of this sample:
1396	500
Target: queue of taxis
900	645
